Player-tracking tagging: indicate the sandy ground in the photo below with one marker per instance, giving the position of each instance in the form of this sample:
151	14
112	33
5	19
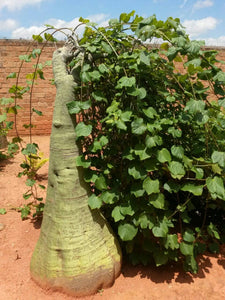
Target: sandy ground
18	239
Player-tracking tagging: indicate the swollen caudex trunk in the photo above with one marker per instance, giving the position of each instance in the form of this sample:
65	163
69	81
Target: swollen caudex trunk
77	252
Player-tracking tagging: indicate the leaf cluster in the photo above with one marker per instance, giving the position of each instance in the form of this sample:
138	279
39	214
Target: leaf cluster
34	160
153	137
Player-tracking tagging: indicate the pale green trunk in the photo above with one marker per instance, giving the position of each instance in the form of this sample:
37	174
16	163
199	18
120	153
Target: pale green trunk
76	252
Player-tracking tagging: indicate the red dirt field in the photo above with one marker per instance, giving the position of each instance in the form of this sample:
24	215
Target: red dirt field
18	239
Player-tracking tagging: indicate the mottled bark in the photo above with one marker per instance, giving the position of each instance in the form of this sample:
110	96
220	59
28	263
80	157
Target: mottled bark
76	252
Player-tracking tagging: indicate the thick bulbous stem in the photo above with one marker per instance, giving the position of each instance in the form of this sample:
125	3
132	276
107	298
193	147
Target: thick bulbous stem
77	251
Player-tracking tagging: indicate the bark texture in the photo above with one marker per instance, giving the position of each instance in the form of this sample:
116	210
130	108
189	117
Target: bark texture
77	252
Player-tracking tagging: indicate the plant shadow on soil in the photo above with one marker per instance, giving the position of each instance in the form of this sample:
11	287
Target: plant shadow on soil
173	271
36	222
4	163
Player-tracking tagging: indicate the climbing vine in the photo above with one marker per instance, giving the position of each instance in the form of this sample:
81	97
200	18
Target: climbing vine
153	136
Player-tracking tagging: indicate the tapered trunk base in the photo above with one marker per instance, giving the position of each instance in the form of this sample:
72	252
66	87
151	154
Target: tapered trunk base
77	252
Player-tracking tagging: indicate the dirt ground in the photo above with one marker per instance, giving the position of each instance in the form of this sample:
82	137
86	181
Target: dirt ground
18	239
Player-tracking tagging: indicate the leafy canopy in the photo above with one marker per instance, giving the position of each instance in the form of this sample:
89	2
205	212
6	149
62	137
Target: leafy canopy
153	136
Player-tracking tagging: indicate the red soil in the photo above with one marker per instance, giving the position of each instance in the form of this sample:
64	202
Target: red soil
18	239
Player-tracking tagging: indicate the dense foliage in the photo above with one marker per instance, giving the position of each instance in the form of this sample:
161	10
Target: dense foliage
152	126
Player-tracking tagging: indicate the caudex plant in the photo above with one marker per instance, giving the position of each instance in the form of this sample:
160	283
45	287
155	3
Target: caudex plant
77	251
138	140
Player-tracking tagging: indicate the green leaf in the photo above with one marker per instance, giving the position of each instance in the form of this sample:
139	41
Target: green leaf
192	188
137	190
37	38
126	115
124	17
82	20
95	75
6	101
2	211
144	220
90	175
3	117
25	211
171	241
138	127
121	125
221	102
144	58
125	82
99	96
136	171
160	230
117	215
82	162
189	236
30	149
11	75
38	112
216	187
39	199
75	107
127	232
177	170
194	106
177	151
193	47
213	231
151	186
141	93
100	183
94	202
216	169
157	200
163	155
186	248
85	76
142	151
153	141
83	129
150	112
172	53
107	48
103	68
26	196
195	62
219	157
30	182
41	74
109	197
99	144
190	264
26	58
42	186
176	133
126	209
220	76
